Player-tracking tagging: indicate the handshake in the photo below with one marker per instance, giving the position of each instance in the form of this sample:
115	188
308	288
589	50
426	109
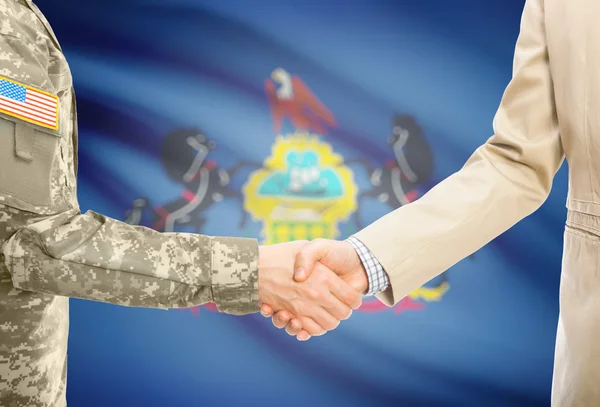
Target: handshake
309	287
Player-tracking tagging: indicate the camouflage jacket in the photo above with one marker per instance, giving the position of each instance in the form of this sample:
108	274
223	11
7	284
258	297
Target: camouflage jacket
51	251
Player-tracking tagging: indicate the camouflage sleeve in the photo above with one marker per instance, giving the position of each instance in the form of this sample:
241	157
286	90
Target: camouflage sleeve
93	257
63	252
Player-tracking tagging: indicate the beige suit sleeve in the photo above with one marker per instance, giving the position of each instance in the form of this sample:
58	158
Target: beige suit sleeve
505	180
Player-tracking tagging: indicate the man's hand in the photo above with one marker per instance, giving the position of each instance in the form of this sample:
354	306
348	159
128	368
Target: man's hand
338	256
318	303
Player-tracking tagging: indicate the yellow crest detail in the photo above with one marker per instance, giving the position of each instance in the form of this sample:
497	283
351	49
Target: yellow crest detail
303	191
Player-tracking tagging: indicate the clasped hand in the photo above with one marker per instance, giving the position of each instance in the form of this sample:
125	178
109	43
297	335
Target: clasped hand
309	287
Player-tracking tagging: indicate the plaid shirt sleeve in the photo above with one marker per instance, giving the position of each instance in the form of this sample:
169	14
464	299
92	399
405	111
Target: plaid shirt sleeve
378	278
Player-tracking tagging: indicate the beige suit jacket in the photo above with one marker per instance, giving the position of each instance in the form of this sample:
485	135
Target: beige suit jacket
550	109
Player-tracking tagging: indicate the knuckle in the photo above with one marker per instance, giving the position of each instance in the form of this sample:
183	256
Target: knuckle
351	297
359	301
334	309
323	278
295	304
313	294
300	308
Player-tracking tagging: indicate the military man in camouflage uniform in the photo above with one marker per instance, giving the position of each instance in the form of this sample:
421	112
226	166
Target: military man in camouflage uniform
51	251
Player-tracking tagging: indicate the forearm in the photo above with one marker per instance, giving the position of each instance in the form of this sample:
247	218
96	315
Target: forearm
93	257
505	180
452	221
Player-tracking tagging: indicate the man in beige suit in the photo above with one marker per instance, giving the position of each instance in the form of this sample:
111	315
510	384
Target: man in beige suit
551	108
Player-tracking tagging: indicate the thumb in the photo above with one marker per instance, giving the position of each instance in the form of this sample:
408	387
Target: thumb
307	257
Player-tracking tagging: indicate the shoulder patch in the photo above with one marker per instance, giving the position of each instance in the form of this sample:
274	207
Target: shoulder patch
29	104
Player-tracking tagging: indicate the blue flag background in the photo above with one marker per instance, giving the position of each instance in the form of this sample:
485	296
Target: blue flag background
341	76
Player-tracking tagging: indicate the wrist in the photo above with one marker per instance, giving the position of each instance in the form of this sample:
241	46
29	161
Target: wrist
274	273
359	279
262	273
234	270
362	280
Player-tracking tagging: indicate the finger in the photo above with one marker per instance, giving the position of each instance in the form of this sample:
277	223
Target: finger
336	308
311	327
303	336
323	318
307	257
344	292
266	310
281	319
294	327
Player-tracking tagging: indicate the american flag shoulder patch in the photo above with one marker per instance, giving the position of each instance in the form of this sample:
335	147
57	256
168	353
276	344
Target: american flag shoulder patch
29	104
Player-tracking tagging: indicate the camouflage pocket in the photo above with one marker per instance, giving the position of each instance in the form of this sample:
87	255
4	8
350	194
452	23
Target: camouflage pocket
28	155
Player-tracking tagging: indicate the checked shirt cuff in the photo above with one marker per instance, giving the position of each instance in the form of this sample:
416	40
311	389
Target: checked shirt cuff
378	278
